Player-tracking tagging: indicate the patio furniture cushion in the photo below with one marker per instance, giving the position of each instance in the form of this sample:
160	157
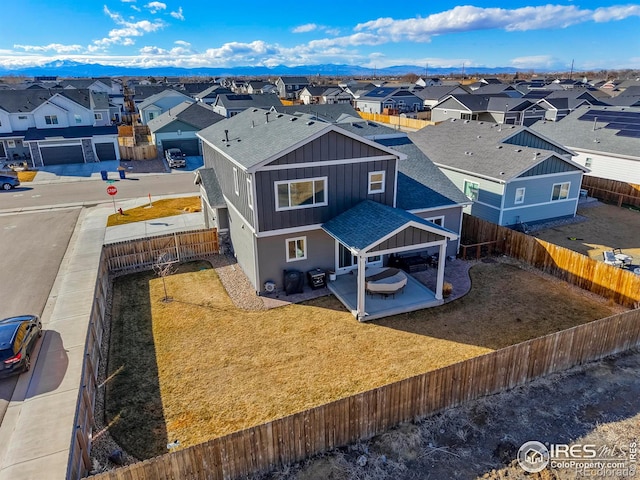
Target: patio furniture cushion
384	273
388	285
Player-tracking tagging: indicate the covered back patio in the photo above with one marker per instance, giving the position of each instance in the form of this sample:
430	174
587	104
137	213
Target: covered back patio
371	229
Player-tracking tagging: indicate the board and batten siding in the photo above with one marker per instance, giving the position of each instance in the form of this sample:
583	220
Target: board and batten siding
347	185
549	166
243	242
452	221
490	192
408	236
528	139
224	171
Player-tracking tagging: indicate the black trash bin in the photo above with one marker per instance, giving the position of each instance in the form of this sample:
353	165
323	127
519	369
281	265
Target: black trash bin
105	174
121	173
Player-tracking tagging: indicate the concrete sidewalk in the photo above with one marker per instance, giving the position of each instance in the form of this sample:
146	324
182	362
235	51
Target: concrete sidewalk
36	433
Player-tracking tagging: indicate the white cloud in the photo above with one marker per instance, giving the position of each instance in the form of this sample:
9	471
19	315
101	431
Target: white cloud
52	47
128	1
183	43
469	18
177	14
155	7
129	29
307	27
137	9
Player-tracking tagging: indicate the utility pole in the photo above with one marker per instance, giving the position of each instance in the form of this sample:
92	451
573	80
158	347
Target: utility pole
571	74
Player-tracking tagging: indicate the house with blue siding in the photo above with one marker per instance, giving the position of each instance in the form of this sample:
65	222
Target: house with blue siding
511	173
296	193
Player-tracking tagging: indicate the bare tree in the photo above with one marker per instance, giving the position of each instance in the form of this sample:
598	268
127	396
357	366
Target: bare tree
164	266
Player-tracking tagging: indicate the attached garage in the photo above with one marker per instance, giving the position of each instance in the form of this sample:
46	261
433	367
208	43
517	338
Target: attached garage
188	146
106	151
62	155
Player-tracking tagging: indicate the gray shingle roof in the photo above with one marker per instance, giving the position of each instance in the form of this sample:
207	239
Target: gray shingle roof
327	112
478	147
580	135
16	101
295	80
369	221
246	100
209	180
436	92
198	115
154	98
253	140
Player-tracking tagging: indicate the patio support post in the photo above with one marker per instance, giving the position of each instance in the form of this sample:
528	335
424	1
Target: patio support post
362	263
442	256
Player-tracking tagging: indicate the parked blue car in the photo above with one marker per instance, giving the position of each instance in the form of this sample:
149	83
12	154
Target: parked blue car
7	182
18	338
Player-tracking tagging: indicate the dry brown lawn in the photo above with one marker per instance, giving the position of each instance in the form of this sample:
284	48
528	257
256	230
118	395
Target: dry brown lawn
607	227
158	209
198	367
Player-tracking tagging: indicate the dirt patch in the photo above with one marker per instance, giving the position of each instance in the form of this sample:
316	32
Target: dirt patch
606	227
594	404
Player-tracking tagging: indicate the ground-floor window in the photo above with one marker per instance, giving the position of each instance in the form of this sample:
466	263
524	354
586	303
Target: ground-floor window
560	191
296	248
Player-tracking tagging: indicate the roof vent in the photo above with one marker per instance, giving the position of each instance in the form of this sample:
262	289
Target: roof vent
468	153
479	136
293	119
518	149
498	146
279	115
466	121
309	123
501	173
254	110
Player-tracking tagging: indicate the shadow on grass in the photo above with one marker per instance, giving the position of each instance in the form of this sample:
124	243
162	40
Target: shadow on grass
133	401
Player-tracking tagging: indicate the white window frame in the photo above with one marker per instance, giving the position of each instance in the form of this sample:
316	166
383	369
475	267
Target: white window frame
250	193
97	116
51	119
477	188
588	162
561	185
437	219
11	144
236	183
77	118
371	190
324	203
519	197
304	248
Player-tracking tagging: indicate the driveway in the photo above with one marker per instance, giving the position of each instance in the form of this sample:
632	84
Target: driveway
34	245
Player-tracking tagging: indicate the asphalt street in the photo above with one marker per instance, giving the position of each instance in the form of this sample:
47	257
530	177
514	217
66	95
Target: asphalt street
33	246
92	192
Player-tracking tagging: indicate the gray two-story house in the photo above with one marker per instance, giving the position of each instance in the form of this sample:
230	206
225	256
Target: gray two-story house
298	194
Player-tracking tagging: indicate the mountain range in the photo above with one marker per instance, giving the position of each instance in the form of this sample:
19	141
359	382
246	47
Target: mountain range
68	68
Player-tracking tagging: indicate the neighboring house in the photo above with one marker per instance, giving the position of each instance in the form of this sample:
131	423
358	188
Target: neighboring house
556	108
498	89
324	95
391	98
429	82
432	95
629	98
259	86
301	195
605	139
230	104
177	127
210	94
330	113
48	127
290	87
511	173
496	109
157	104
311	94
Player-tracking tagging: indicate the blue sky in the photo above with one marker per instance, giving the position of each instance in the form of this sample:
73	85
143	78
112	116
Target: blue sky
375	34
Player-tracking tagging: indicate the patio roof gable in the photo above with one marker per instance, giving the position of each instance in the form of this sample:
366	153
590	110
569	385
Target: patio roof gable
374	227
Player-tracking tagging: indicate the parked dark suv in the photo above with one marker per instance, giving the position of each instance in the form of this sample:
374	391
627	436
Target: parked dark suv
18	337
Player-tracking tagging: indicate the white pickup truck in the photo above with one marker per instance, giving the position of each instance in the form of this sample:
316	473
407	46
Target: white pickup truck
175	158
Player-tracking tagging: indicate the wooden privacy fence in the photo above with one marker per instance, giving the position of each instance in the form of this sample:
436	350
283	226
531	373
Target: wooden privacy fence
142	253
618	284
612	191
132	254
360	417
413	123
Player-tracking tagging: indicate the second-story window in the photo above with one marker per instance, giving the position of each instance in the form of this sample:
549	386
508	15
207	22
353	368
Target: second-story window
376	182
97	116
249	193
51	119
306	193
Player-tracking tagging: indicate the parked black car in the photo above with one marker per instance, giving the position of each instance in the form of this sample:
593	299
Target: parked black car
7	182
18	337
